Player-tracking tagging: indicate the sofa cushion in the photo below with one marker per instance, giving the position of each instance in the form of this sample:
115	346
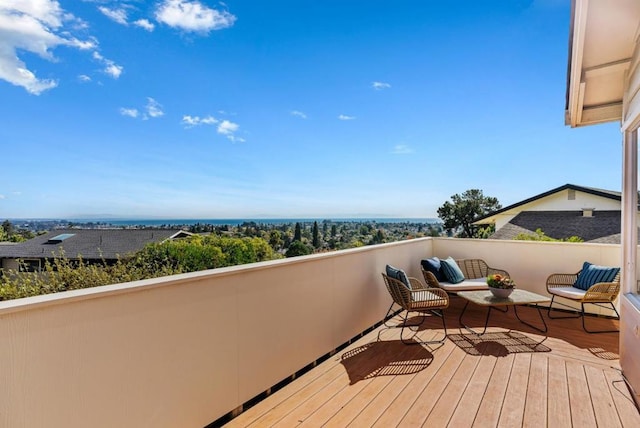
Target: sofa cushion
593	274
568	292
452	270
398	274
466	285
434	266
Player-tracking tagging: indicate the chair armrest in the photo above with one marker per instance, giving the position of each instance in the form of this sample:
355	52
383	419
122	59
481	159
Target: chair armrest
416	284
602	292
430	279
556	280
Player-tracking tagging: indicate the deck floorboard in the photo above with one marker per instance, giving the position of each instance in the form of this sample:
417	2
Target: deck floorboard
511	376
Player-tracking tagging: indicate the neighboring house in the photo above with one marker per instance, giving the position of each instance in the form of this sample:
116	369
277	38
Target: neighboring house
93	245
591	214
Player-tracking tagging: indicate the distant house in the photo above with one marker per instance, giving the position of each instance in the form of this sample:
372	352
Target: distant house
589	213
93	245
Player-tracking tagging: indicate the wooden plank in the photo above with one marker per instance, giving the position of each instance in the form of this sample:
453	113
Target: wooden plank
303	410
603	406
468	405
348	403
451	396
491	405
418	398
427	400
372	411
559	410
535	409
513	408
627	411
579	398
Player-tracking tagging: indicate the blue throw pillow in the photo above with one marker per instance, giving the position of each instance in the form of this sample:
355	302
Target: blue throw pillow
434	266
399	275
452	270
593	274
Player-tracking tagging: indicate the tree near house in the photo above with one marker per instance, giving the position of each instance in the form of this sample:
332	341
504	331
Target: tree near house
297	235
316	235
460	213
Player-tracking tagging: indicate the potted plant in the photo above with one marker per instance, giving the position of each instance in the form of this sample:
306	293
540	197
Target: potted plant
500	285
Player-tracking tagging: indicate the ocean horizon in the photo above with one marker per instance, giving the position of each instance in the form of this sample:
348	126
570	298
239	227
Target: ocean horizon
239	221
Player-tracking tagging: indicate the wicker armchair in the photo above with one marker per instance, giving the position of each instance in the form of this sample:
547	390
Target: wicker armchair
419	299
475	272
600	294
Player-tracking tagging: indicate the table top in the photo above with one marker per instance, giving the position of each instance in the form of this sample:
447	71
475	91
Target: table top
518	297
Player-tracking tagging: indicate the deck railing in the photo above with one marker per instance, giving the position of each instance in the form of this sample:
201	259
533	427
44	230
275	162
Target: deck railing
187	349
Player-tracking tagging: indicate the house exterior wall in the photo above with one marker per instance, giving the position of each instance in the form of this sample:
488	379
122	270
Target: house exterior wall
560	202
630	302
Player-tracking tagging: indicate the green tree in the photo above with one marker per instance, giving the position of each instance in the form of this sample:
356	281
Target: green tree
7	227
275	239
297	235
298	248
540	236
316	235
463	210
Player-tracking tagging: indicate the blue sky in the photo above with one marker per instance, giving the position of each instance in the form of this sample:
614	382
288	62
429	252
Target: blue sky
326	108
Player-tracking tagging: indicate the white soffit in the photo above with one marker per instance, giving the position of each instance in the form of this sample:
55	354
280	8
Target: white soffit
601	42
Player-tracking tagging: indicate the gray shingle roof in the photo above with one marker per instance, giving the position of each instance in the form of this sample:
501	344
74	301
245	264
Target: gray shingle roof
603	227
90	243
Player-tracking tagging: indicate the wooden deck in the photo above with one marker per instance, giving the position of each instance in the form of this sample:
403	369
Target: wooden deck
510	377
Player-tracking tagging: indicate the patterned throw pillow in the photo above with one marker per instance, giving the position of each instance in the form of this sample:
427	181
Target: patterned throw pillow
452	270
434	266
399	275
593	274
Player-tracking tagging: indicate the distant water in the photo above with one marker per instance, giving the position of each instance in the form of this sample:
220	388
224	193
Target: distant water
238	221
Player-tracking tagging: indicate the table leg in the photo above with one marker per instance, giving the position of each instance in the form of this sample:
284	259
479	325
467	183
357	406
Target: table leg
515	309
486	321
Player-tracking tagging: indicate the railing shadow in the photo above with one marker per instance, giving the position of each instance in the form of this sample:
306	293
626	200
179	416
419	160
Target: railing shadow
384	358
497	344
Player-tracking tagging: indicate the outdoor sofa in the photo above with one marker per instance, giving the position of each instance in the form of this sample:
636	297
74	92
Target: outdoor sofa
458	275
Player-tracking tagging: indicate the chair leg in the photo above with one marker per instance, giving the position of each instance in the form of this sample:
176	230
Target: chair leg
599	331
387	317
577	315
423	342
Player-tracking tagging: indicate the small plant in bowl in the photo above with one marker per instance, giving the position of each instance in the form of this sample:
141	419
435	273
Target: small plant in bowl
500	285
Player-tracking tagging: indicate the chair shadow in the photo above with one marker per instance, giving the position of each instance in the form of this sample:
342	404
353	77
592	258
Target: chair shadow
498	344
384	358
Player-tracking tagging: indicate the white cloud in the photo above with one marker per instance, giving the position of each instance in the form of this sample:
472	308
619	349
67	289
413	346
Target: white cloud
299	114
84	78
130	112
193	16
380	85
401	149
117	15
144	23
2	197
35	26
154	109
235	139
345	117
111	68
191	121
227	128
